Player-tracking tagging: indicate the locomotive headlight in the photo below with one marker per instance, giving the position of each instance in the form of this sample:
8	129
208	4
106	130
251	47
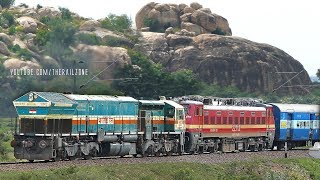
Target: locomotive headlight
42	144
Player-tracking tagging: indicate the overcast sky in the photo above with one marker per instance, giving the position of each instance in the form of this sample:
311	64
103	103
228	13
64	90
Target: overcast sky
291	25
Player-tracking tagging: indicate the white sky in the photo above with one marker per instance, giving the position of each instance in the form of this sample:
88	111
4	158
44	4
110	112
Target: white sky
291	25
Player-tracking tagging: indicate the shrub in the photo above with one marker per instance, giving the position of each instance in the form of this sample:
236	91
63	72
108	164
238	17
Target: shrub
21	52
90	39
115	42
6	18
153	24
6	3
116	23
12	30
219	31
65	13
42	36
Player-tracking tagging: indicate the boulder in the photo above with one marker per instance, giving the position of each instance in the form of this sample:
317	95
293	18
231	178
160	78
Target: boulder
196	5
14	63
30	12
100	57
205	20
193	28
224	60
107	36
143	13
49	12
4	49
181	16
6	39
28	24
89	25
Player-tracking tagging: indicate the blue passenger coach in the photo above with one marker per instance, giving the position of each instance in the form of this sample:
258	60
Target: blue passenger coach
296	123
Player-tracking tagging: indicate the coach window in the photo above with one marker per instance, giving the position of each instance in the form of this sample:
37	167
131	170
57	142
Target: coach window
258	120
263	120
212	119
236	120
218	120
225	120
247	120
252	120
241	120
230	120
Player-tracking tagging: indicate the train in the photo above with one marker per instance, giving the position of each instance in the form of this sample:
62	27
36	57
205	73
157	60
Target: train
57	126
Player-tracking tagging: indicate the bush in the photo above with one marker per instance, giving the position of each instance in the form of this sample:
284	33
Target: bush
6	3
116	23
21	52
12	30
65	13
42	36
153	24
219	31
90	39
6	18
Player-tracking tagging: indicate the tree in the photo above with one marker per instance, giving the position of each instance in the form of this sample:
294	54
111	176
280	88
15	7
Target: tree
117	23
6	3
318	74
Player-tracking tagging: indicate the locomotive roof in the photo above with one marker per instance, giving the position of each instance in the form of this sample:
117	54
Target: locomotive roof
191	102
172	103
53	97
79	97
239	108
152	102
307	108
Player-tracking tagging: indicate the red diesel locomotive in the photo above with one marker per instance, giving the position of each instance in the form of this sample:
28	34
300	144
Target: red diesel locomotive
227	128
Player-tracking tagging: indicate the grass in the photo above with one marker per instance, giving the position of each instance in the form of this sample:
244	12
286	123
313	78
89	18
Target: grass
300	168
6	135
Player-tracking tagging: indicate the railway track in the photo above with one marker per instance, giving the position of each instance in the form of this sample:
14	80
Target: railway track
200	158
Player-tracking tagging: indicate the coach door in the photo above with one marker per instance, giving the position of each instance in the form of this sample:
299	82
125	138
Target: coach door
289	130
145	119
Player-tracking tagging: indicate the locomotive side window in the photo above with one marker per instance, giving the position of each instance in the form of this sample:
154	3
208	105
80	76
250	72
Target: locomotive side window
197	111
241	113
218	113
230	113
218	120
200	111
225	120
236	120
206	120
253	113
252	120
247	120
213	119
258	120
241	120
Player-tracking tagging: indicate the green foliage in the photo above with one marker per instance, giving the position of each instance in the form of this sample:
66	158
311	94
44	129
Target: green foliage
6	18
117	23
65	13
21	52
116	42
12	30
219	31
229	91
153	24
42	36
90	39
45	19
98	88
151	81
318	74
6	3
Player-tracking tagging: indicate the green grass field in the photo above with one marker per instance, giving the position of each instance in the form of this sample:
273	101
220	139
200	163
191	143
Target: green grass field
302	168
6	135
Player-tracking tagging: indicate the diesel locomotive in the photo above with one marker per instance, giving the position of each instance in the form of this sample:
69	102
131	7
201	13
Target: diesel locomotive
56	126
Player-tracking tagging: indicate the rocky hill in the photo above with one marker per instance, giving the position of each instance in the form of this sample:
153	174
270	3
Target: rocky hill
215	56
178	36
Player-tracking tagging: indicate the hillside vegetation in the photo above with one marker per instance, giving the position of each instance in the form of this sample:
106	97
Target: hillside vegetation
258	169
46	38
